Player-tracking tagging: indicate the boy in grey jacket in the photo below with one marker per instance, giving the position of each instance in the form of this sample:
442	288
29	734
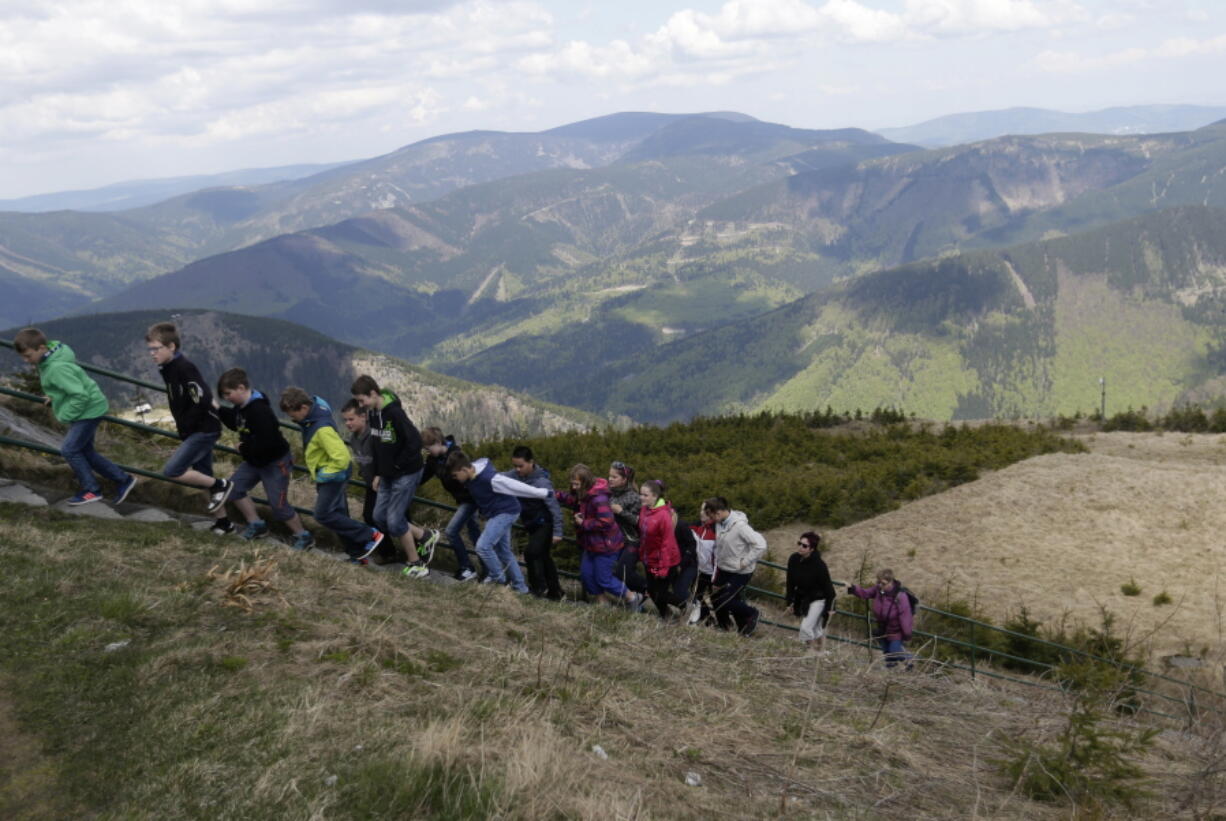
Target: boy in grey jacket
737	550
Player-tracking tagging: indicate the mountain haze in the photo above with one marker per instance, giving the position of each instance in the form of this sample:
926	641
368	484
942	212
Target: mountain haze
954	129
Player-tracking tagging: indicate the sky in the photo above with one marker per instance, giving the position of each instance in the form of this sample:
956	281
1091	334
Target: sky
100	91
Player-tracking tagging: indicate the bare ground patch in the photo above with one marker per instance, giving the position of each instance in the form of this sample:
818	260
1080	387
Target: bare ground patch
1062	533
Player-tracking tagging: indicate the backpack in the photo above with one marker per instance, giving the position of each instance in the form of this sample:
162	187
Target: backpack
911	597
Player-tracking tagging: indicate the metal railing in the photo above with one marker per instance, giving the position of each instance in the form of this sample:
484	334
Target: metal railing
973	647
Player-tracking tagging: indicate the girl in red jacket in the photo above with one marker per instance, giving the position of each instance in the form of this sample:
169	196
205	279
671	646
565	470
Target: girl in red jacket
658	546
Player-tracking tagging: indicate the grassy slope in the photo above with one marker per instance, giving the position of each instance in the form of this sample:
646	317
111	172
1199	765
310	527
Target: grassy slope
349	694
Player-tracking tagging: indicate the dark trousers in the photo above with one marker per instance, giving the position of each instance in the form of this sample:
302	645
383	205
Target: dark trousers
538	555
728	602
662	590
683	584
627	569
332	511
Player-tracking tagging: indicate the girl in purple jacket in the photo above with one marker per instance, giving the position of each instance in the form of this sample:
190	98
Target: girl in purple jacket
892	613
598	536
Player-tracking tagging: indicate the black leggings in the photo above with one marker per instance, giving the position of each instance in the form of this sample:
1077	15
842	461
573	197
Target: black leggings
542	572
627	570
662	590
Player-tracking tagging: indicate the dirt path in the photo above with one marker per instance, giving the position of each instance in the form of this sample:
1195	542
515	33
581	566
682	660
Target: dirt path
1062	533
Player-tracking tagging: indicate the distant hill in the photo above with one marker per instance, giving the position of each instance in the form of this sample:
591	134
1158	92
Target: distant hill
103	253
954	129
277	354
1021	331
136	193
406	279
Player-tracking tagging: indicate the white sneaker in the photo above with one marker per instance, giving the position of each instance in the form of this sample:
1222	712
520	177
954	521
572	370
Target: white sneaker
465	575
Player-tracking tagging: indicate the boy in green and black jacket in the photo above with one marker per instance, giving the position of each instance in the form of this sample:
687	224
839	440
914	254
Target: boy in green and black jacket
77	401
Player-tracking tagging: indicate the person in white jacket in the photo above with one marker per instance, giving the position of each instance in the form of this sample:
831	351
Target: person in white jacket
737	550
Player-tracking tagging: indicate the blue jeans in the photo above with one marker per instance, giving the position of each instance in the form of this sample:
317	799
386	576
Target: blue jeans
895	653
274	477
194	453
494	548
392	503
78	451
332	511
465	517
596	573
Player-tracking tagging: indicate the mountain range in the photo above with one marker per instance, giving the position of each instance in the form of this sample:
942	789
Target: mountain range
611	264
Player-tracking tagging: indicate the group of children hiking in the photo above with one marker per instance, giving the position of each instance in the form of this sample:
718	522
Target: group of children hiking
699	569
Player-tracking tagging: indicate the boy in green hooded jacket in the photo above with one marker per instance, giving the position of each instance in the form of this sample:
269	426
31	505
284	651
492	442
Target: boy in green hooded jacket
77	401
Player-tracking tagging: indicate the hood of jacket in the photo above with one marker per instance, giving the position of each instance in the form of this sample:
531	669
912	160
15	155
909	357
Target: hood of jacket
599	487
735	518
319	416
58	353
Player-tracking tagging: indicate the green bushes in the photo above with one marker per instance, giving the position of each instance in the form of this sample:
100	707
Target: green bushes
1182	419
782	468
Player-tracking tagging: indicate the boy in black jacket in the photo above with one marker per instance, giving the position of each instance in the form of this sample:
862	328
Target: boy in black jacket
266	457
191	405
398	469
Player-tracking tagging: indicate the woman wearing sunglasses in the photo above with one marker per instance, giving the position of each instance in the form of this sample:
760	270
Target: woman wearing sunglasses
810	593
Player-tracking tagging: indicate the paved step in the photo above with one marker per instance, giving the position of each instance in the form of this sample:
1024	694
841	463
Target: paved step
19	494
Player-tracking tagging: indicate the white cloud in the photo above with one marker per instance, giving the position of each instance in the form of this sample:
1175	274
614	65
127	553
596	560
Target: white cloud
225	69
1072	62
711	48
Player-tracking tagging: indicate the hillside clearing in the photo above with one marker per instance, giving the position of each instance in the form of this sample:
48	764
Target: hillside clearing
1061	533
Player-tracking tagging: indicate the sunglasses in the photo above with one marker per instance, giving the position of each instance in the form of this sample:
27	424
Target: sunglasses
804	544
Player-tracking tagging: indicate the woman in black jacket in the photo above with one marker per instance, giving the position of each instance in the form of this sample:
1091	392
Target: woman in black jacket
810	593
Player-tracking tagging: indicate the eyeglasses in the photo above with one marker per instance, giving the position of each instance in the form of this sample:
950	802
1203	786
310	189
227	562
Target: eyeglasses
804	544
155	348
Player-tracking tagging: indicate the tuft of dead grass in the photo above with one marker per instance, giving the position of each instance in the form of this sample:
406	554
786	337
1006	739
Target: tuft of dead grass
248	586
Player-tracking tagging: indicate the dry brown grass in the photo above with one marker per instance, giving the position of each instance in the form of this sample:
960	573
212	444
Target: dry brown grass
473	691
1061	533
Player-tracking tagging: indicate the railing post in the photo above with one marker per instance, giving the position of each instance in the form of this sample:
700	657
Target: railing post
974	649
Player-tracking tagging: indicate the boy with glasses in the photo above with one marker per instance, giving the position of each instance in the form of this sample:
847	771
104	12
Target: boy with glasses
198	426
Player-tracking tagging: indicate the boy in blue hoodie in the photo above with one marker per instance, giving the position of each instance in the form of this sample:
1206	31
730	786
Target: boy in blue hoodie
495	495
77	401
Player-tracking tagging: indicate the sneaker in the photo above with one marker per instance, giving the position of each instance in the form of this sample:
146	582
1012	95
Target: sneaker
357	561
222	528
425	550
695	614
218	497
372	545
466	574
303	541
254	530
491	580
84	498
750	626
415	571
635	605
123	490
